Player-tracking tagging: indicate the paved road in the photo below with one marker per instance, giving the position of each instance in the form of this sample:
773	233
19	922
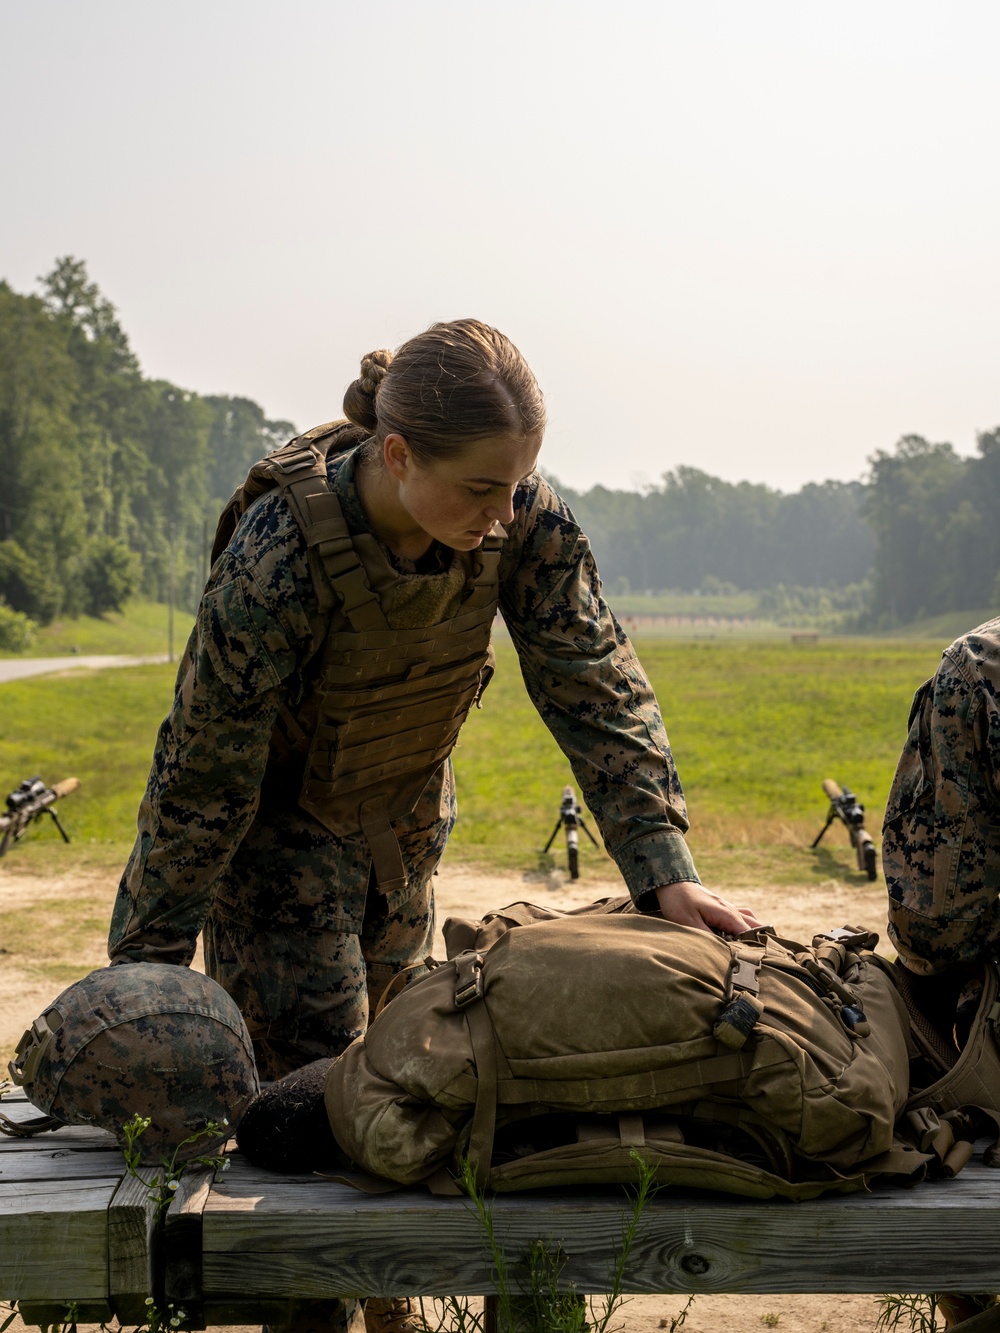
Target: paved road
17	668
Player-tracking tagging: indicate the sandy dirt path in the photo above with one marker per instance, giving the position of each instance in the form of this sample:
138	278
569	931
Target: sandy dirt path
461	891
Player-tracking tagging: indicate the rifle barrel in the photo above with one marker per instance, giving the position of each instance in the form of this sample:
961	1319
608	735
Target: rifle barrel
27	812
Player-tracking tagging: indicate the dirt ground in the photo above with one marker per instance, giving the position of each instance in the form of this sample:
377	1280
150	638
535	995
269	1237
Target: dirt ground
797	912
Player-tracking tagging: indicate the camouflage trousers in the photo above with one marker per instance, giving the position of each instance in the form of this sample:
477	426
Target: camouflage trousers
304	993
941	837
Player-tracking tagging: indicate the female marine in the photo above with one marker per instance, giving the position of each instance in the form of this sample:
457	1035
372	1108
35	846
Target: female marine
301	791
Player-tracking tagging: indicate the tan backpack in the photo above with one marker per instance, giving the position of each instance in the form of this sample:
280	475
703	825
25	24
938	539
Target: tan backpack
550	1055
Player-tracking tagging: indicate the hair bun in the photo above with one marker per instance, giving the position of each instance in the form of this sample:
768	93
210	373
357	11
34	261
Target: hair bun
373	368
359	400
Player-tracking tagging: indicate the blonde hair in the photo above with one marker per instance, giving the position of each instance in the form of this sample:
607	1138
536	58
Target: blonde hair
446	388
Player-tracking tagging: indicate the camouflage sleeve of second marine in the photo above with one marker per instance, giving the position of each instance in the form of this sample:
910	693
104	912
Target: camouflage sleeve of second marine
253	631
584	678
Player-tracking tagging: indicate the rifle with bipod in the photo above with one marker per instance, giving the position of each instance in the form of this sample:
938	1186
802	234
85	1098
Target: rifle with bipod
570	819
29	802
846	807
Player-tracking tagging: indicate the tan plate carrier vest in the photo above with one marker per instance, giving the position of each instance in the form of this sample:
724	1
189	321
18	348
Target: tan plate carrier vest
389	702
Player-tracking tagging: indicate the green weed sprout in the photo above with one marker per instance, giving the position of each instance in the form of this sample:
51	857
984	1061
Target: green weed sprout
529	1296
916	1312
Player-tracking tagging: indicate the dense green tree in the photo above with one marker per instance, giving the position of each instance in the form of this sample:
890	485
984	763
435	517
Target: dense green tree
108	476
25	586
696	528
113	481
913	493
41	502
16	630
111	575
239	435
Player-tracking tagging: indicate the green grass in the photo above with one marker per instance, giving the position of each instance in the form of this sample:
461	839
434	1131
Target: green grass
99	726
141	630
755	727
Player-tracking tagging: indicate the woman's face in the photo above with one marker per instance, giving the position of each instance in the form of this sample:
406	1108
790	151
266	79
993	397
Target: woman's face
458	501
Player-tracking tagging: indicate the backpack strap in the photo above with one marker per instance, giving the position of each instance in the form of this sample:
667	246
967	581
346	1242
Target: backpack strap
743	1006
469	997
27	1129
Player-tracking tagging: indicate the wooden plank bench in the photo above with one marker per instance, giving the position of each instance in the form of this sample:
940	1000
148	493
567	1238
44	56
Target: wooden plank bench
75	1228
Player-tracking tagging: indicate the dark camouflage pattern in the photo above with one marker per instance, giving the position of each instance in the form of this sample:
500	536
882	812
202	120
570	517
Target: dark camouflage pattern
220	833
941	838
157	1041
306	994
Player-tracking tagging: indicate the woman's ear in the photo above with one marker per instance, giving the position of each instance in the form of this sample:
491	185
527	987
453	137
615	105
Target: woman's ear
398	456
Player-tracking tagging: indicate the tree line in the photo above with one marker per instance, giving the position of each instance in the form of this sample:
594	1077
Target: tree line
113	482
919	536
111	479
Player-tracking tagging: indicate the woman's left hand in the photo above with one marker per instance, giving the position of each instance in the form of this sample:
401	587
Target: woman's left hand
691	904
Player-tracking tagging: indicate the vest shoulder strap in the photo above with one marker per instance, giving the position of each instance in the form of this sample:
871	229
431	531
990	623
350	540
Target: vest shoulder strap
302	457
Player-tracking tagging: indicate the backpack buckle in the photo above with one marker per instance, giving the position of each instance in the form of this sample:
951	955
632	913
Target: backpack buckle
851	937
468	979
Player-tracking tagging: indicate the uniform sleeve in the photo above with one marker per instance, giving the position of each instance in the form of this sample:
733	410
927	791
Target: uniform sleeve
941	836
253	631
586	682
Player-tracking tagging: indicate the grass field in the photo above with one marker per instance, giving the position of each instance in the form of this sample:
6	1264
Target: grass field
755	727
141	630
99	726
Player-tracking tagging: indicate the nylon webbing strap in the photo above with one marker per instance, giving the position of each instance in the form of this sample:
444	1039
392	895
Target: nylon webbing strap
27	1129
933	1044
631	1130
658	1085
328	541
739	1016
483	590
390	873
484	1119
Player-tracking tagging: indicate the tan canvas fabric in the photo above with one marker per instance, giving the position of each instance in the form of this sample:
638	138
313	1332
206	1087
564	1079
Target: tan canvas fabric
560	1049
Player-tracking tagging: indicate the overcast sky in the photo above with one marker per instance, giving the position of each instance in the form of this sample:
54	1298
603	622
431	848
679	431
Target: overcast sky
760	238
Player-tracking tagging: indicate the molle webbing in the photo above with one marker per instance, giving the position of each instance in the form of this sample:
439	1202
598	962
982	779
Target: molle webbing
389	702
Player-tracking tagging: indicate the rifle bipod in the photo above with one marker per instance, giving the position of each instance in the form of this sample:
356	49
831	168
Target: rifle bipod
845	806
571	820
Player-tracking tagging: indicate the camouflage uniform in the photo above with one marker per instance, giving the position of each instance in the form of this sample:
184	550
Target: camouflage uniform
291	928
941	839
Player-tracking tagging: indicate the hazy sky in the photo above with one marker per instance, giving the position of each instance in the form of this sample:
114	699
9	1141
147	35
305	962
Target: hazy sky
757	237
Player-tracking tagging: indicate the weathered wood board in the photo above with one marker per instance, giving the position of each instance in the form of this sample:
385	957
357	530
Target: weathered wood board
265	1236
55	1192
74	1227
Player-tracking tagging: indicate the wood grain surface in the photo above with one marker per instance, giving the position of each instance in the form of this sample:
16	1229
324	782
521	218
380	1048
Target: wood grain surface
267	1235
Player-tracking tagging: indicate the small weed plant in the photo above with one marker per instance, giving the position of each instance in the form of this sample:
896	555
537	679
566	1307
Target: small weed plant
916	1313
679	1319
530	1295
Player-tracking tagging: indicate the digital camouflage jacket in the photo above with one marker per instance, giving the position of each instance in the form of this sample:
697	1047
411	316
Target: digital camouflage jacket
253	652
941	837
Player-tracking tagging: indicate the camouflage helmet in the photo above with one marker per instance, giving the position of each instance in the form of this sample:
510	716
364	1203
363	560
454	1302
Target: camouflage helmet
151	1039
